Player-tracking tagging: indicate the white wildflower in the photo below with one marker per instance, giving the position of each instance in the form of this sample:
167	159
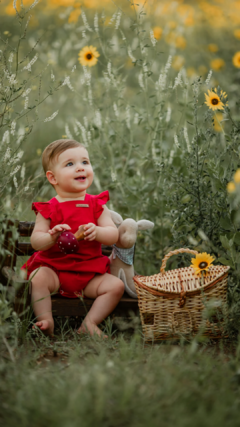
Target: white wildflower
12	79
33	5
85	121
136	117
113	176
83	132
52	76
10	59
128	117
7	155
140	81
68	83
168	115
15	182
170	160
176	140
161	83
113	18
130	54
153	40
116	109
26	92
90	98
89	136
185	133
96	22
87	76
28	67
49	119
26	188
84	18
20	137
23	170
109	68
145	67
97	182
13	128
208	77
123	36
74	68
178	80
98	119
6	137
84	35
76	129
67	132
118	19
26	103
15	170
168	64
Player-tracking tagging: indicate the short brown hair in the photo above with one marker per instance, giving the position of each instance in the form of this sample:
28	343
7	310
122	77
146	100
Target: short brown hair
55	148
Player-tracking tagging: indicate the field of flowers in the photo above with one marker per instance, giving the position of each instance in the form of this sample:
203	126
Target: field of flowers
151	89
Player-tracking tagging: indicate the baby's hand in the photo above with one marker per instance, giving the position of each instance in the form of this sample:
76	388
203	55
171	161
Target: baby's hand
90	231
55	231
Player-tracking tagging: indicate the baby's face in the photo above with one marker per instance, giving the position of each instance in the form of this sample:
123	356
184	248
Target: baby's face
73	172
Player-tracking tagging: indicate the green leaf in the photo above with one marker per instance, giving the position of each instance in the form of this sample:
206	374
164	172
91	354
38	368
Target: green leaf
225	242
225	261
237	238
225	223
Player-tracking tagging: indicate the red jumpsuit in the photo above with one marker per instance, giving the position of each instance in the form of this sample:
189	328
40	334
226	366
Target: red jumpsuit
74	270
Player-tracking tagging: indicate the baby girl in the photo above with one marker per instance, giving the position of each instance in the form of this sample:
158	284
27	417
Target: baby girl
85	273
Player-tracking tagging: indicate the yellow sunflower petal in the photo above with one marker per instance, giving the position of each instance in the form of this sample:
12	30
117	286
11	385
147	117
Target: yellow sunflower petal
202	263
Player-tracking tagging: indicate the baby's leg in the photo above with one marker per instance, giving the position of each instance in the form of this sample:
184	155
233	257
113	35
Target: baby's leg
44	282
108	290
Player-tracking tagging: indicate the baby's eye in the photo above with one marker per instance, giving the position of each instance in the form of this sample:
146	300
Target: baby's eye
69	163
85	162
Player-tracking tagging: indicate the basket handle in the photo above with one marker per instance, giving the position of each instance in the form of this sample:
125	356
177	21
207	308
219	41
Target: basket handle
177	251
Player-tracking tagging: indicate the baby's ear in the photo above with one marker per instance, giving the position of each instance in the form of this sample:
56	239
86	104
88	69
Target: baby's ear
117	219
51	178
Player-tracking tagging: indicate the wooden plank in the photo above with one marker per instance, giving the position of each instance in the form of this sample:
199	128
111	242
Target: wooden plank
25	228
75	307
24	249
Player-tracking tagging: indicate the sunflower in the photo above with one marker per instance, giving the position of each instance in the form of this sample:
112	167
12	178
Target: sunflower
157	32
236	59
213	101
217	64
231	187
237	176
202	263
88	56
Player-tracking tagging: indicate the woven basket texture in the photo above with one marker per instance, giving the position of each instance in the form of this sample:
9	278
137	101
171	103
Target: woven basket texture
176	302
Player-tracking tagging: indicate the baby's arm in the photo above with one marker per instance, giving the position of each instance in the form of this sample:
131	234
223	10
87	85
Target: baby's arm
42	237
105	232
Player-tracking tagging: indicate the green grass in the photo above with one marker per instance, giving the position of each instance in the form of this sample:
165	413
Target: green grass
72	381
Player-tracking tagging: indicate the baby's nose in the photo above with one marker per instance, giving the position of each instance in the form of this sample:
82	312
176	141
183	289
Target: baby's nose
80	167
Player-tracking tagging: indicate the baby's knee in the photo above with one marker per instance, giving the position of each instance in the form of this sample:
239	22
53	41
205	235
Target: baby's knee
44	278
118	287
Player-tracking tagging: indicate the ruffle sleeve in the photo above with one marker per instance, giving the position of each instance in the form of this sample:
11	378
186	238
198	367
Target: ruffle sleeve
100	200
44	208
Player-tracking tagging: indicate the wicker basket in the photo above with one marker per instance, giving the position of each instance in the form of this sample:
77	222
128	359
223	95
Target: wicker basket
176	302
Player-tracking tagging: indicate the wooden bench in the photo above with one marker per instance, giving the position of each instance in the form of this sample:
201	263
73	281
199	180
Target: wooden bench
61	306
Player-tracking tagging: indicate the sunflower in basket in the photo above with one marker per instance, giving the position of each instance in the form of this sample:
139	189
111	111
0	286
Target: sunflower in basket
202	263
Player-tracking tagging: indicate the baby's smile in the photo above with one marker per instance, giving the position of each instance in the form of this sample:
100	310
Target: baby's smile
80	178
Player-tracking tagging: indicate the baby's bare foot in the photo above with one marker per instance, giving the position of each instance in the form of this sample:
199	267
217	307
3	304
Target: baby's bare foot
46	326
92	329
